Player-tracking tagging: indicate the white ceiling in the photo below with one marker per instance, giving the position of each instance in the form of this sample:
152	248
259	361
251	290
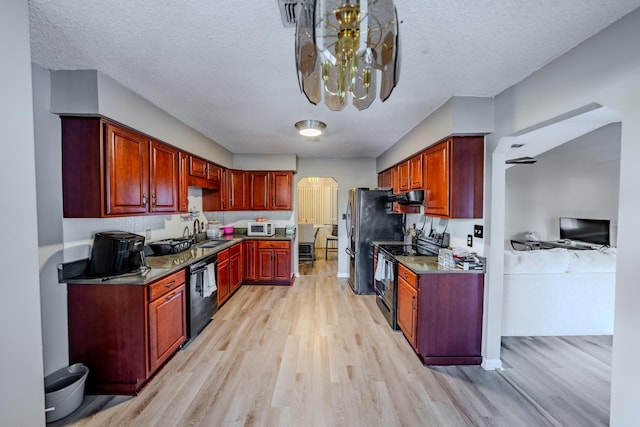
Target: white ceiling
227	68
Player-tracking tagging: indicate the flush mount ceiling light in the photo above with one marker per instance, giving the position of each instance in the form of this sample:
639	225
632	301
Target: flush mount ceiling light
339	46
310	128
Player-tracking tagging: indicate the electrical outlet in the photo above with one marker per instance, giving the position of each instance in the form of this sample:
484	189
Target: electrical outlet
478	231
469	240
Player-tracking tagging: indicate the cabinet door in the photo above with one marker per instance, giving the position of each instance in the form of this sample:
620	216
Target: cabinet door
126	171
265	264
282	264
197	167
237	190
281	190
407	310
249	253
235	268
259	190
183	186
224	276
164	170
437	179
403	176
214	172
167	326
415	172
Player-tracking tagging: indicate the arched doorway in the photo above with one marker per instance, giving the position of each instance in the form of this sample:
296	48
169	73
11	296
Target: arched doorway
318	214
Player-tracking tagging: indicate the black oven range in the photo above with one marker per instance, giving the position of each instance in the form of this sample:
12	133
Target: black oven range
386	269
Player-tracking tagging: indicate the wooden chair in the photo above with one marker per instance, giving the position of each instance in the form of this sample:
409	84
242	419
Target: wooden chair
331	242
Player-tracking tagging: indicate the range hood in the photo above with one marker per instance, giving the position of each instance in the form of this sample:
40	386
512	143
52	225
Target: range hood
415	197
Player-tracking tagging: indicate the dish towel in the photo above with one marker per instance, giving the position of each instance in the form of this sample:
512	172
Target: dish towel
209	285
381	272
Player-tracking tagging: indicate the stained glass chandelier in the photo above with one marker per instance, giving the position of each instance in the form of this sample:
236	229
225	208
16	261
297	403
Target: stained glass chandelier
341	45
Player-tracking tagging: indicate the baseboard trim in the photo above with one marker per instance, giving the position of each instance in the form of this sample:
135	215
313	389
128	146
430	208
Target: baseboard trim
343	275
492	364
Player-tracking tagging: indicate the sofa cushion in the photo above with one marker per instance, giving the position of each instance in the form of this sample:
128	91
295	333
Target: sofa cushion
593	261
546	261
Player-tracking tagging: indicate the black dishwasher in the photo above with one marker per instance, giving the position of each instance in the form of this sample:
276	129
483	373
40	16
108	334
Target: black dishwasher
202	298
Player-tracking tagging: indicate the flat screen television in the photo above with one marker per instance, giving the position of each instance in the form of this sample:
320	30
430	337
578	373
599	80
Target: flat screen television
594	231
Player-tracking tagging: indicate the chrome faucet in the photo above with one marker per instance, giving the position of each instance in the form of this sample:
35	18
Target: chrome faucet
185	232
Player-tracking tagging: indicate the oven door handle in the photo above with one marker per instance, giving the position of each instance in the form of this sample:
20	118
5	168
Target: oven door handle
198	270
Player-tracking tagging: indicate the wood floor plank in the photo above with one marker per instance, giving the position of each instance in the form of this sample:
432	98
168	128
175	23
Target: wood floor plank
316	354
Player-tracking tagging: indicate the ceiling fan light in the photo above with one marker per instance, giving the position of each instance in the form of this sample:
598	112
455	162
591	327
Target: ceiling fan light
310	128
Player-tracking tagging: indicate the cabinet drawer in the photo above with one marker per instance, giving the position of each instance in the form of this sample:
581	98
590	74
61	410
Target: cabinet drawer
223	255
235	250
409	276
167	284
271	244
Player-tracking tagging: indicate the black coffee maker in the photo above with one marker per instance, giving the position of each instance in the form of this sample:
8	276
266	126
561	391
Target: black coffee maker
116	252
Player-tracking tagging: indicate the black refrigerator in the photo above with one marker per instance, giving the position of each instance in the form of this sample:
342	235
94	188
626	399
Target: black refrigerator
368	219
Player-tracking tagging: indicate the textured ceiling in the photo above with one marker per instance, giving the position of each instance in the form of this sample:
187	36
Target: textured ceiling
227	68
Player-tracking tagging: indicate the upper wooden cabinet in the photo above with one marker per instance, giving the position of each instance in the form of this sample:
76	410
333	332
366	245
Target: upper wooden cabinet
409	174
237	189
204	174
385	179
164	177
453	177
281	188
183	183
270	190
108	170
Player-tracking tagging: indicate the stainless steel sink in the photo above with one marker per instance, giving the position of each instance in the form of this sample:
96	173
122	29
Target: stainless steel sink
211	243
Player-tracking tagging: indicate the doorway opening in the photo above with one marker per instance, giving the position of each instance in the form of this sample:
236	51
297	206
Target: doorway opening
317	225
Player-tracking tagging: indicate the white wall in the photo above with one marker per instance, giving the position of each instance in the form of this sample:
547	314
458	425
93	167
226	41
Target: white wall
90	92
604	69
579	179
21	370
459	115
348	173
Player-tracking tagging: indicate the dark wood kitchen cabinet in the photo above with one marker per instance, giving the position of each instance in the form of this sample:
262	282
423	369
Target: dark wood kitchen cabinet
109	170
224	277
454	177
204	174
407	310
270	190
183	193
229	272
235	267
164	173
250	251
125	332
237	190
442	316
274	262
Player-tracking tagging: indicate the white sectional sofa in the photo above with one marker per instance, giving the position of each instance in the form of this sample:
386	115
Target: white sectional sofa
558	292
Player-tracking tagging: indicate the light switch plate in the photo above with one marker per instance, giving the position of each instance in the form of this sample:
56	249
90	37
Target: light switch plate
469	240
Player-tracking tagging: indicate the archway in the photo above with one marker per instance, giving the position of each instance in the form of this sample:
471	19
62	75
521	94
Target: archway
317	213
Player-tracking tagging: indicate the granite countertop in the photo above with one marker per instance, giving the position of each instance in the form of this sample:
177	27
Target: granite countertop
423	264
429	264
163	265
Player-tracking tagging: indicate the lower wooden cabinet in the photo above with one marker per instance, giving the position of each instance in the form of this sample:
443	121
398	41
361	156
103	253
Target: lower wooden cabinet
229	272
123	333
250	251
273	262
407	310
442	315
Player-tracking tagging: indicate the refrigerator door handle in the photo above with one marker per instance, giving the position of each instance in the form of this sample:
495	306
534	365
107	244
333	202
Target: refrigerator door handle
350	252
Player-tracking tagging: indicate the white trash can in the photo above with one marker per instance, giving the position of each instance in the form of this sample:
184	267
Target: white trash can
64	391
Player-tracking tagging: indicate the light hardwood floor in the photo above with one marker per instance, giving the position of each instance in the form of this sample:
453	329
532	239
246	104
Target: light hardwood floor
315	354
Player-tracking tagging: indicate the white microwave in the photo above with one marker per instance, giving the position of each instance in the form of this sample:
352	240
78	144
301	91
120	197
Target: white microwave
264	228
